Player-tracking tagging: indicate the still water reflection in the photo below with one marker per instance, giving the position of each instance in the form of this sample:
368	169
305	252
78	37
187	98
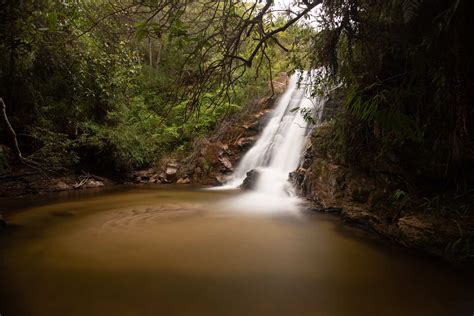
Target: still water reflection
183	251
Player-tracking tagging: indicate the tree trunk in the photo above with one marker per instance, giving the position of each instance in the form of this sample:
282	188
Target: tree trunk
10	130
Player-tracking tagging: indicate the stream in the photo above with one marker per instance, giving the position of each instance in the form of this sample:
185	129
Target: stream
182	250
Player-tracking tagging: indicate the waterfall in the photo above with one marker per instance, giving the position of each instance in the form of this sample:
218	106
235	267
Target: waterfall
279	148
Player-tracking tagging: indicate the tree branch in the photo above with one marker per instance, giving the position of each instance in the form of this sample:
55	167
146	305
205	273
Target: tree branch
10	130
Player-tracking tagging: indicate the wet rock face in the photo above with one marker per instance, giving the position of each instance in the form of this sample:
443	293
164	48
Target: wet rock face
246	142
250	180
296	177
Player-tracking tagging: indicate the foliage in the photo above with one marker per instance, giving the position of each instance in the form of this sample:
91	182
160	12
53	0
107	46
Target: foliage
121	84
404	66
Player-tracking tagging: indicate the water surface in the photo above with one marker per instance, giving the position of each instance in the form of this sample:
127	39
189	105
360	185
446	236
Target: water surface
167	250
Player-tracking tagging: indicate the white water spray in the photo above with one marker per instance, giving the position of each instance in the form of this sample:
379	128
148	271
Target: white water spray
279	148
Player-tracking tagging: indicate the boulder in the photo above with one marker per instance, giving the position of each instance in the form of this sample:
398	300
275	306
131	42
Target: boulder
250	180
170	172
296	177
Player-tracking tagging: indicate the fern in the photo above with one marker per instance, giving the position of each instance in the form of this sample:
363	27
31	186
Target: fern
393	123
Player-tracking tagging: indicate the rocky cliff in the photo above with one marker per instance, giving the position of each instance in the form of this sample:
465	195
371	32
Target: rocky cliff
379	199
214	158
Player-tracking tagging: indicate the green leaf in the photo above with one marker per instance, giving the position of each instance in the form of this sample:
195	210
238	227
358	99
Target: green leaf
53	21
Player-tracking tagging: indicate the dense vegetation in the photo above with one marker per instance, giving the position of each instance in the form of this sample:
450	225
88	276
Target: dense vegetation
125	82
115	86
406	68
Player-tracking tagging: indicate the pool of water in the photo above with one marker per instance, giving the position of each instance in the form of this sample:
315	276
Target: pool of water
178	250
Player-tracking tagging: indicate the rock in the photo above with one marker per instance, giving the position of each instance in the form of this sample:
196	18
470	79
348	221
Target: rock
154	179
358	216
330	209
3	223
222	178
226	163
333	106
222	146
211	151
171	170
251	180
296	177
246	142
91	183
281	83
61	186
163	178
183	181
253	126
265	102
414	230
145	176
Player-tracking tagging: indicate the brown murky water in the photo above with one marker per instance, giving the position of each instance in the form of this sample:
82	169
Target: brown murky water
181	251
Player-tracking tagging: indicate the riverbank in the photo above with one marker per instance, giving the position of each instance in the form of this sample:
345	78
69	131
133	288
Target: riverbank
380	200
210	161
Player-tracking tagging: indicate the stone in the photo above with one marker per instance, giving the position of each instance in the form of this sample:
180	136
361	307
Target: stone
226	163
296	177
62	186
253	126
183	181
145	176
91	183
163	178
359	216
250	180
246	142
414	230
222	178
170	172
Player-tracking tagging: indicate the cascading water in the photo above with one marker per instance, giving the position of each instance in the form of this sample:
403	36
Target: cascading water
279	148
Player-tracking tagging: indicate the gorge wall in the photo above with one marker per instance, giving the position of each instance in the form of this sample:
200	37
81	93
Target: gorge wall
376	198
